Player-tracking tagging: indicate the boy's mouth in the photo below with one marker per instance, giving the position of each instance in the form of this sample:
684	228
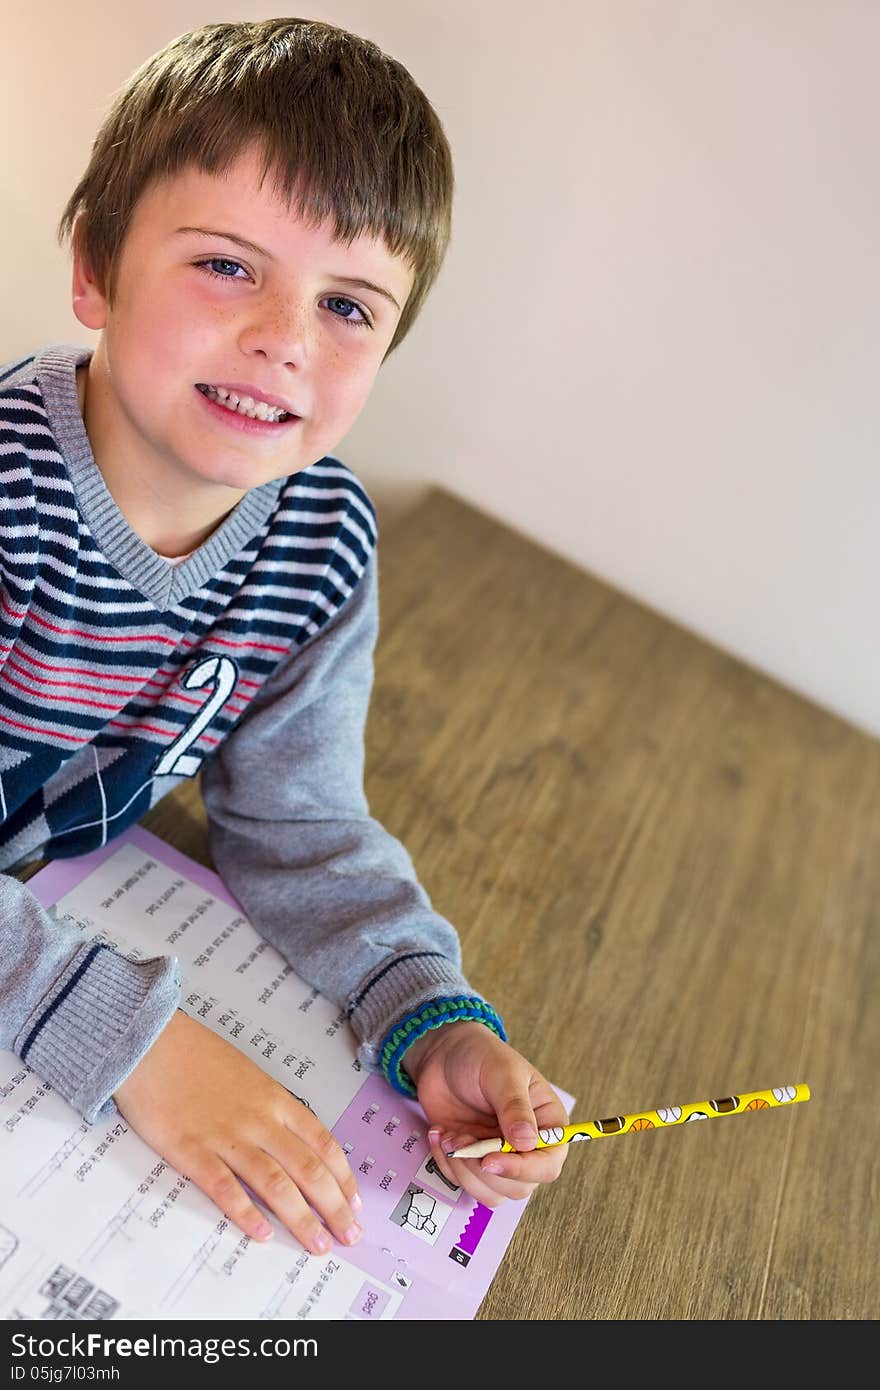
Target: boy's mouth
245	405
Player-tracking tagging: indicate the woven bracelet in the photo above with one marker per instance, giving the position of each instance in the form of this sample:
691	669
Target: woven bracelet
416	1024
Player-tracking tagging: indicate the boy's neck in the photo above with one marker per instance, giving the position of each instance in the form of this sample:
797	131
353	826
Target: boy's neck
172	523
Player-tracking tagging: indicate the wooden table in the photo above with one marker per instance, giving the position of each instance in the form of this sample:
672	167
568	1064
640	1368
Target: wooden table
665	870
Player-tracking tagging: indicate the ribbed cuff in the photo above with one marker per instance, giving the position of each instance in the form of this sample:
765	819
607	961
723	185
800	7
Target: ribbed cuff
399	986
415	1025
103	1015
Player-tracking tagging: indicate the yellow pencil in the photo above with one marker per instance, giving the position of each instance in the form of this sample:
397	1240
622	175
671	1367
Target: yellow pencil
661	1118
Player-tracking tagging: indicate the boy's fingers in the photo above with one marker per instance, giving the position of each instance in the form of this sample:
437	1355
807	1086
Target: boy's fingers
541	1165
440	1156
294	1180
219	1183
516	1119
295	1171
291	1184
516	1111
307	1127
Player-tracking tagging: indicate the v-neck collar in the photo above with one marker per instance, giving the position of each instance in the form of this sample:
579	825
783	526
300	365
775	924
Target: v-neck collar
150	574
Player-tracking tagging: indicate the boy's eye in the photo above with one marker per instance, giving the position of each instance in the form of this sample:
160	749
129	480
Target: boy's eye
225	264
349	304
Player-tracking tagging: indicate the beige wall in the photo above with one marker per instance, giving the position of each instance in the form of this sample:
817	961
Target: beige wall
653	344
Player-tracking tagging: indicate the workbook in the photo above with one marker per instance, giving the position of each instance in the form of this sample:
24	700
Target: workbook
95	1225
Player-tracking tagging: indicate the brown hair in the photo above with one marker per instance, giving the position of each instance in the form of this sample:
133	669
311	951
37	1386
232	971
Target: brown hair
344	128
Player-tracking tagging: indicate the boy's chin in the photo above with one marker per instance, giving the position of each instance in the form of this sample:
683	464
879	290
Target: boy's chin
245	476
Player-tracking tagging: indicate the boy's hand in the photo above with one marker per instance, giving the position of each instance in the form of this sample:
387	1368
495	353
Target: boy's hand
218	1118
471	1085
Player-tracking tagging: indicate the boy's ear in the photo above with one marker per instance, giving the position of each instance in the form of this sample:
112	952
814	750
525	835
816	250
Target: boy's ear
89	303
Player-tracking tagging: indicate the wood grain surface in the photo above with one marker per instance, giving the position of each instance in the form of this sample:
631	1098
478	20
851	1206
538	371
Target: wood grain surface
665	871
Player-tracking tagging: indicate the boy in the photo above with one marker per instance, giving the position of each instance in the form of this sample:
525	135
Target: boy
189	586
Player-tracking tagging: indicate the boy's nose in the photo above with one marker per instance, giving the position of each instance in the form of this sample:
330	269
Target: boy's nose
277	332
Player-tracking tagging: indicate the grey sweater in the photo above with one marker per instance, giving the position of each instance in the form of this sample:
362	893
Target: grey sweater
250	663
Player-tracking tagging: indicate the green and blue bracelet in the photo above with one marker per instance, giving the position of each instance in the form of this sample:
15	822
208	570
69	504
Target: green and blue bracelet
416	1024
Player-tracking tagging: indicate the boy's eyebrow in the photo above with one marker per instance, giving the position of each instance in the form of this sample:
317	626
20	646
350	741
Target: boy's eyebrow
366	285
261	251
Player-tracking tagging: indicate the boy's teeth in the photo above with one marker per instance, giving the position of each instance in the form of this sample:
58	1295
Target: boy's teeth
243	405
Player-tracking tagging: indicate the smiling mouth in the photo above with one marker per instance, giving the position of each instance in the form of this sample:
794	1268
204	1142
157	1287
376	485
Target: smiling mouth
245	405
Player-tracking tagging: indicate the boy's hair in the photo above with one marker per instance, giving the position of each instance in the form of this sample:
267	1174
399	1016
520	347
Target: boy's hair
344	128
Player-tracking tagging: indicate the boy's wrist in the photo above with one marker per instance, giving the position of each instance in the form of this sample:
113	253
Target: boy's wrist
418	1053
433	1017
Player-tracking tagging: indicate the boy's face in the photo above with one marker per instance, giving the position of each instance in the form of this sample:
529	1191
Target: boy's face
278	322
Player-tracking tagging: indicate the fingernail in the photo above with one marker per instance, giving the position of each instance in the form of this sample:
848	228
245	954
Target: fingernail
523	1136
353	1234
493	1166
264	1231
356	1202
433	1136
321	1241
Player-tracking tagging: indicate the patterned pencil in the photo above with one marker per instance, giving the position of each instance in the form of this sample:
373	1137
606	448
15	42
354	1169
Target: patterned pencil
662	1118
